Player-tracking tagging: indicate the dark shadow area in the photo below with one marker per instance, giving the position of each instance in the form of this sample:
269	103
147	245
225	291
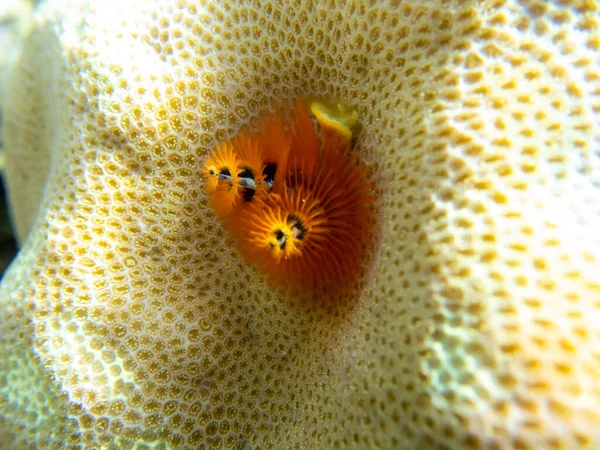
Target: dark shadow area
8	245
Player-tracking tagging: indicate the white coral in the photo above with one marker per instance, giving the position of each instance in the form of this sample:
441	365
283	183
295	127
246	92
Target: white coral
128	317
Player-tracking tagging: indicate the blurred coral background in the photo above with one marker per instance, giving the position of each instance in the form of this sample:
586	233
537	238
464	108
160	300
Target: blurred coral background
14	20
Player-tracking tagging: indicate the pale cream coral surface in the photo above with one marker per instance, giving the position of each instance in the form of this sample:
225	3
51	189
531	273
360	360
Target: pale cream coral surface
129	319
15	18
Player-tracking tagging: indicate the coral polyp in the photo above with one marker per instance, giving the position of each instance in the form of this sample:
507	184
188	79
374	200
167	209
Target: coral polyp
303	205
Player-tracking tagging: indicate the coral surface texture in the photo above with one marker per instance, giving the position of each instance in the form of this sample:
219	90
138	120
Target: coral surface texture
129	318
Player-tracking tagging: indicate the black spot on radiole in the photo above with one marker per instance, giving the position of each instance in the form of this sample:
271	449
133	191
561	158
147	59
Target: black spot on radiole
280	236
225	174
248	192
297	226
246	173
269	173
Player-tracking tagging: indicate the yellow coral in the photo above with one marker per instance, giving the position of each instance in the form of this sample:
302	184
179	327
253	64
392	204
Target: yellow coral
129	317
336	121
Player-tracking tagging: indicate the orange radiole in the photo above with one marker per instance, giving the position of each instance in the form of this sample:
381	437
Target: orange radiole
222	181
298	203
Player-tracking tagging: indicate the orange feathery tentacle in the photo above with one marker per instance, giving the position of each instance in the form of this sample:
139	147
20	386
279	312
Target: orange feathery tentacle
302	216
313	234
220	173
250	168
305	145
274	143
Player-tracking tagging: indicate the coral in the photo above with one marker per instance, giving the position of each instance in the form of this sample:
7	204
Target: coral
15	16
129	318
